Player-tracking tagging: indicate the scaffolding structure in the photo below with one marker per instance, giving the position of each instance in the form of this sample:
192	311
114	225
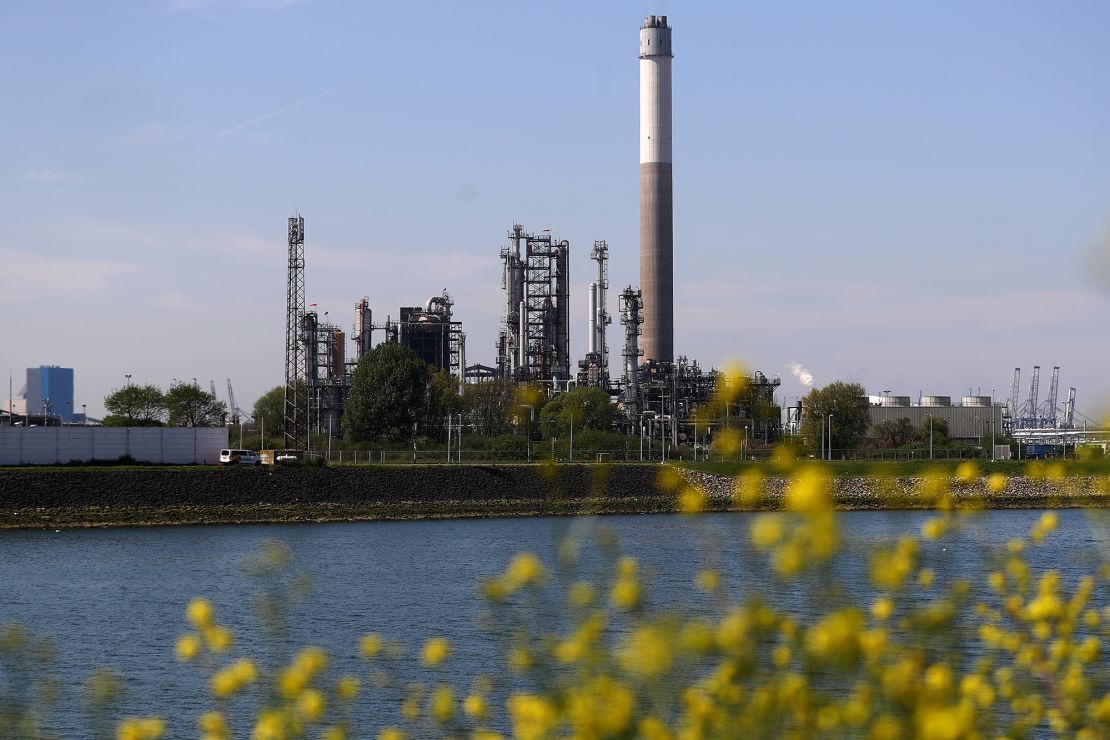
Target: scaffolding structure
293	421
534	341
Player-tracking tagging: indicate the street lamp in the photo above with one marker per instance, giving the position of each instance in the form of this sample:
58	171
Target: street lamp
930	435
531	418
84	414
128	378
650	414
830	437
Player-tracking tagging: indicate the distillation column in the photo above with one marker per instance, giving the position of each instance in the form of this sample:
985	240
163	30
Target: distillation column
656	193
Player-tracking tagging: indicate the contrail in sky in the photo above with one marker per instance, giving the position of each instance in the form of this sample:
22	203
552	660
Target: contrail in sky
799	372
279	111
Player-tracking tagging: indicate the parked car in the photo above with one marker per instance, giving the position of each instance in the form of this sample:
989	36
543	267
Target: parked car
239	457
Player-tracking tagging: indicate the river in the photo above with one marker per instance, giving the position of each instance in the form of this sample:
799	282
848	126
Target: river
115	597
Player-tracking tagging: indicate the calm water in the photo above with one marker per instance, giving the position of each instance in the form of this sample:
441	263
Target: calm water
114	598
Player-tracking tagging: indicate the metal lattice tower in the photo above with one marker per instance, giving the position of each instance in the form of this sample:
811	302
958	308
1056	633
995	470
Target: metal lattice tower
296	369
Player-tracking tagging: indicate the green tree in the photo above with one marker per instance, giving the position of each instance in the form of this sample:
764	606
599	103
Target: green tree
847	403
269	410
586	408
940	435
490	406
135	406
387	394
440	399
897	433
189	405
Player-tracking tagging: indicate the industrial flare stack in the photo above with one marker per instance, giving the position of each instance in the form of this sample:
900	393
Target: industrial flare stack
656	194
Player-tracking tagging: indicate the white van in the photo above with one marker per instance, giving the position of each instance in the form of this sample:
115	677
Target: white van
239	457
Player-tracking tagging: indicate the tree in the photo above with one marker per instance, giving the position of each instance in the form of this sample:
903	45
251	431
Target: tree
939	430
135	406
440	399
586	408
189	405
269	410
894	433
387	394
847	403
490	406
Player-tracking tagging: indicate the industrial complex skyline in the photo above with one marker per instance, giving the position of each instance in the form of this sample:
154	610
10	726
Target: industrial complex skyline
914	199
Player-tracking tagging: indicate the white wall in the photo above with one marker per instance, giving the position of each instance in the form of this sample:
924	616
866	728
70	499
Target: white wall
58	445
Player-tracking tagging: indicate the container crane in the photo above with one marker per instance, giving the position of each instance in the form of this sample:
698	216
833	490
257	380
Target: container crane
236	412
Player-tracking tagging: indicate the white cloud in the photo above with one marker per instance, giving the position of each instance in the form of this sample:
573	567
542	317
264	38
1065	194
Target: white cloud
35	276
51	177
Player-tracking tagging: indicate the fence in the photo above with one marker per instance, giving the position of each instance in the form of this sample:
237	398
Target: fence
66	444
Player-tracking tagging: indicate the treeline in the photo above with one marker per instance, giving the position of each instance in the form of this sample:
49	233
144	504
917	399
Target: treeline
396	398
182	405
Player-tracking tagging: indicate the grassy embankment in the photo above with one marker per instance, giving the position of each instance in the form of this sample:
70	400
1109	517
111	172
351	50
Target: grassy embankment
912	468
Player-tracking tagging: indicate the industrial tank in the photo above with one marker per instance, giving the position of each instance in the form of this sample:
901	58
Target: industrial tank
936	400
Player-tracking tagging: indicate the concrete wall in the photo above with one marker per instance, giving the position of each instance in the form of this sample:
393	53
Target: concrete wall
60	445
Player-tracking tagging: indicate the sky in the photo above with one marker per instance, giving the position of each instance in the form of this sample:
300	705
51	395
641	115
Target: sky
912	196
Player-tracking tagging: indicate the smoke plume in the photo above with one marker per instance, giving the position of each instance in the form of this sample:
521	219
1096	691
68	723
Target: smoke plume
805	377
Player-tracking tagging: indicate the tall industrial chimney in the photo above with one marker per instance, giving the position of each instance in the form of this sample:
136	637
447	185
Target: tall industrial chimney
656	195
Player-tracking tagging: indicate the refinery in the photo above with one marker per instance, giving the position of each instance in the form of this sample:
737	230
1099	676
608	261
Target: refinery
651	388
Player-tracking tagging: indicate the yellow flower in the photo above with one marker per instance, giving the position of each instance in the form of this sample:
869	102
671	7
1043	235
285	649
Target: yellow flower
882	609
391	733
996	483
347	687
669	479
213	724
334	733
187	647
709	580
809	491
435	651
933	528
311	660
967	472
626	593
581	594
482	733
524	569
767	530
925	578
199	612
370	645
626	566
311	705
270	726
443	704
217	637
647	652
475	706
140	728
533	717
292	681
692	500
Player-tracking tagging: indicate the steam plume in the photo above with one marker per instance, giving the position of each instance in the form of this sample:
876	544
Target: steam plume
805	377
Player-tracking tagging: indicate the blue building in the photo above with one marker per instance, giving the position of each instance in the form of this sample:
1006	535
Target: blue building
50	390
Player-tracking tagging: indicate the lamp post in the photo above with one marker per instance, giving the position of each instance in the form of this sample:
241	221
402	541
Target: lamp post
531	418
930	435
127	376
650	414
84	415
992	426
830	437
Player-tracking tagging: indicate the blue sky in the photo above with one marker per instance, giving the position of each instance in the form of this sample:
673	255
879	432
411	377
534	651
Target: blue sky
912	196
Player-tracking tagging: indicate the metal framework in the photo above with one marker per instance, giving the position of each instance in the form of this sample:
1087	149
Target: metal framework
594	369
631	303
293	420
534	342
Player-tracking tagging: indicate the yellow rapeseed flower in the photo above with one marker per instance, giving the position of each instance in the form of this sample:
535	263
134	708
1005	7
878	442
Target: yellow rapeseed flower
391	733
647	652
967	472
311	660
140	728
626	593
347	687
370	645
708	580
213	725
187	647
767	530
475	706
200	612
270	726
581	594
882	609
333	733
523	570
931	529
435	651
925	578
482	733
692	500
533	716
443	704
669	479
218	638
311	705
996	483
809	491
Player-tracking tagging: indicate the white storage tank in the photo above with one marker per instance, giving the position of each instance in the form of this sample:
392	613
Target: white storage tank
977	401
897	401
936	400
